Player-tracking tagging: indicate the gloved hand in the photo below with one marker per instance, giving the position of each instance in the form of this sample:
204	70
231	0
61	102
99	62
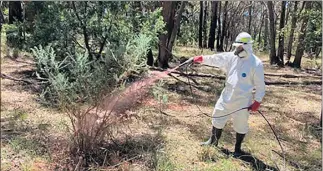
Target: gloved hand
255	106
198	59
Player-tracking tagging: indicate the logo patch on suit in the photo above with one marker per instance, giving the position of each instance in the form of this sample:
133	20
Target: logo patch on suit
244	74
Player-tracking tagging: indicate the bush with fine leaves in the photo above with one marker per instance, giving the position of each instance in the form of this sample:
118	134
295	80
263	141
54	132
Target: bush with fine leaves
78	86
94	49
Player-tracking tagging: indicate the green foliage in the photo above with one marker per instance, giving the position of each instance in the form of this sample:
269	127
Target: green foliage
14	35
163	163
160	93
188	33
89	27
153	24
31	147
116	47
77	77
313	38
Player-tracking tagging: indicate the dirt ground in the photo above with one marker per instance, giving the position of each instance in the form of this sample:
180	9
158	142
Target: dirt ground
34	137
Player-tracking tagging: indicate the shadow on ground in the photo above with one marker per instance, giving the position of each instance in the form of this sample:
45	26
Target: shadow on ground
254	162
137	149
22	136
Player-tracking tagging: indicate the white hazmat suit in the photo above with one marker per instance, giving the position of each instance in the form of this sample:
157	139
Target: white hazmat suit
243	75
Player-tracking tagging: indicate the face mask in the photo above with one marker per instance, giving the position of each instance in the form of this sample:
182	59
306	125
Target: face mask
240	52
243	54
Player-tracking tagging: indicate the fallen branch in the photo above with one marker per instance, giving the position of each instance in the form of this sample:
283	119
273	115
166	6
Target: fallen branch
5	76
182	81
19	61
291	76
294	83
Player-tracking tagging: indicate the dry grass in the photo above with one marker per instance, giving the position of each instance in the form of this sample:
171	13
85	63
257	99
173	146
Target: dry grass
36	138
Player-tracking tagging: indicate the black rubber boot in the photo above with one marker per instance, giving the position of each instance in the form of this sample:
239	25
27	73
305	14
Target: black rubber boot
214	138
237	149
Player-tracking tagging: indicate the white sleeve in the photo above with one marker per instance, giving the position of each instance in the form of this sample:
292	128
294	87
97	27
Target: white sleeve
220	60
259	82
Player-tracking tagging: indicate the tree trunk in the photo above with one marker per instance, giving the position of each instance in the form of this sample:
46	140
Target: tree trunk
204	24
232	26
321	119
218	48
1	18
280	52
317	52
214	6
250	17
150	57
287	12
260	28
291	35
168	15
15	12
176	26
301	38
273	57
224	31
84	29
266	33
201	25
226	40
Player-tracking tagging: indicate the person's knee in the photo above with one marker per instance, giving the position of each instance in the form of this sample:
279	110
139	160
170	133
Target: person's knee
240	122
241	128
218	124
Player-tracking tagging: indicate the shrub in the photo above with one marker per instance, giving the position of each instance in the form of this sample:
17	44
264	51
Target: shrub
82	88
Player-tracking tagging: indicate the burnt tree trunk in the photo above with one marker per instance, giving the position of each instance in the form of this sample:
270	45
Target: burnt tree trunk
291	34
15	12
218	48
280	53
321	119
1	17
201	25
214	6
168	15
204	24
301	38
150	57
176	27
273	57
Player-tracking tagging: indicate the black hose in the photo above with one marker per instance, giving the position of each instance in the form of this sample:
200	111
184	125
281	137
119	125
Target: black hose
271	127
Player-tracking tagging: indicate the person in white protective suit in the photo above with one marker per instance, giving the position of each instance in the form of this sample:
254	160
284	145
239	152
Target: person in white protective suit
244	73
